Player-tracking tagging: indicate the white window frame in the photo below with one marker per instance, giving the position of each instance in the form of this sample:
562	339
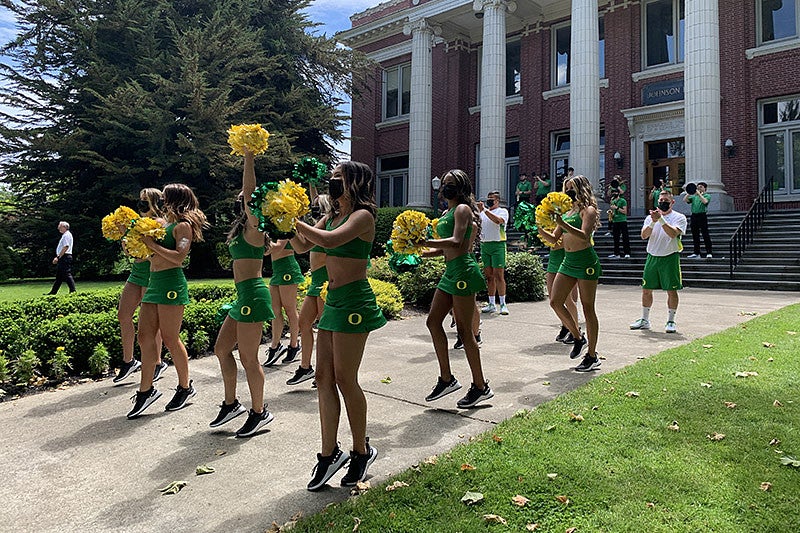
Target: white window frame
565	154
480	69
759	25
384	83
380	175
788	129
554	53
680	44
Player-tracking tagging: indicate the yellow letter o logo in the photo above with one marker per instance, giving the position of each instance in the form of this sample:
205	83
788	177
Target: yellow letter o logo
245	310
287	277
172	295
355	319
461	285
590	271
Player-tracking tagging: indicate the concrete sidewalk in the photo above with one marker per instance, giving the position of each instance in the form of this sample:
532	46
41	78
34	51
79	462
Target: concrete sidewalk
73	462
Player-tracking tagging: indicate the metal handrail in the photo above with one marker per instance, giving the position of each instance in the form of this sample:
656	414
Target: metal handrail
751	223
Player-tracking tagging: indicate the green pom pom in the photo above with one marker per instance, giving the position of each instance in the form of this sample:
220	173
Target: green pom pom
309	170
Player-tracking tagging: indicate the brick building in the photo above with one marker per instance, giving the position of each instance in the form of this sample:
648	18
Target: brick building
685	90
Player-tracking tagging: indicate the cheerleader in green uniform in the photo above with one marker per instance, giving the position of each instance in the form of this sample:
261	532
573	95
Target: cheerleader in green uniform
132	294
554	261
245	321
166	296
457	289
286	276
349	314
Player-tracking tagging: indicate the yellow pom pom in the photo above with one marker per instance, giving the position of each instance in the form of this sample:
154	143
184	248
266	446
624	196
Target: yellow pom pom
133	241
410	230
251	137
116	224
285	205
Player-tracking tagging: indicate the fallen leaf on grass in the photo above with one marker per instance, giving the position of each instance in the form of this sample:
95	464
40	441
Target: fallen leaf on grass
519	500
770	360
571	530
387	379
396	485
471	498
595	407
432	460
706	385
497	519
552	476
357	521
752	358
531	527
173	488
204	469
774	442
562	499
776	403
708	346
730	405
575	418
766	486
467	466
745	374
791	333
716	437
674	426
650	505
767	345
549	428
360	488
788	460
632	394
497	438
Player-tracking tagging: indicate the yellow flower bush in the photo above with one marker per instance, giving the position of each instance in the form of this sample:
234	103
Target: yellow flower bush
133	241
410	230
250	136
285	205
116	224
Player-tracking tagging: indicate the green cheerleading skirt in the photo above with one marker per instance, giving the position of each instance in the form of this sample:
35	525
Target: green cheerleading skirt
583	264
253	302
462	276
318	279
167	287
351	309
140	274
555	260
286	271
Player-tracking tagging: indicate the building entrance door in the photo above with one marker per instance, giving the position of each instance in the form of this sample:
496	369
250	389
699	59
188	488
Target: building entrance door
665	161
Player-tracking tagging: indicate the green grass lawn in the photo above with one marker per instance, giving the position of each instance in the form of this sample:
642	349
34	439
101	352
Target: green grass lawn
622	467
34	289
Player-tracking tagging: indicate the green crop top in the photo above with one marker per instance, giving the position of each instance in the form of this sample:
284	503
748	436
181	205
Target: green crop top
573	220
169	239
357	248
317	248
239	248
446	224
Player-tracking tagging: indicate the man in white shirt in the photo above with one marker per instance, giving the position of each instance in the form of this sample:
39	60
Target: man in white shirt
63	259
662	229
493	250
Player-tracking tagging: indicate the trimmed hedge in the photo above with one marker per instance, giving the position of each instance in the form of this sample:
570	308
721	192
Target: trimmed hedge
525	278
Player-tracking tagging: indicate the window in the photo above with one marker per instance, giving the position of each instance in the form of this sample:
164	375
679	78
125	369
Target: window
392	179
777	19
559	157
513	68
562	36
396	91
664	32
779	132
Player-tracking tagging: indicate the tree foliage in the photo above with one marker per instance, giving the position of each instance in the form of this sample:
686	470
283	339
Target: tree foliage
116	95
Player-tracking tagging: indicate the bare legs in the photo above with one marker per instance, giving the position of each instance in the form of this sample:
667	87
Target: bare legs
167	319
248	336
310	311
571	303
129	300
562	287
284	297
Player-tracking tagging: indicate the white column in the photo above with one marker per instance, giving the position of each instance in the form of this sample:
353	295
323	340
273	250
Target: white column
584	92
702	100
420	128
493	96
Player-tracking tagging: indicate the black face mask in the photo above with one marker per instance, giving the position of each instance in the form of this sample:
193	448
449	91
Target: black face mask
490	202
315	211
664	206
336	188
142	206
449	191
572	194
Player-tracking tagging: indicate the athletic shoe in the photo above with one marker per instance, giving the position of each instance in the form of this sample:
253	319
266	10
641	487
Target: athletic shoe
452	323
143	400
569	339
577	347
693	256
709	256
182	396
503	309
475	396
478	339
291	353
459	343
255	421
562	335
327	466
670	327
228	413
488	308
589	363
273	354
443	388
301	375
627	256
613	256
359	464
126	369
160	368
640	323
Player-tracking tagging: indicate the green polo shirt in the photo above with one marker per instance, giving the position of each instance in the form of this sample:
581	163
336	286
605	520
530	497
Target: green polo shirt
542	188
697	205
619	216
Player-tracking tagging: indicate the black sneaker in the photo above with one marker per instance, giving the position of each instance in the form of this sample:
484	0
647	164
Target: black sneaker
301	375
126	369
359	464
478	339
255	421
228	413
326	467
273	354
459	343
160	368
291	353
143	400
181	397
589	363
562	335
443	388
569	338
475	396
577	347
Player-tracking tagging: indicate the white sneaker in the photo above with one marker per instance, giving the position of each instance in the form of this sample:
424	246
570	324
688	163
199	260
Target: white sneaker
488	308
503	309
627	256
671	327
613	256
641	324
693	256
709	256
